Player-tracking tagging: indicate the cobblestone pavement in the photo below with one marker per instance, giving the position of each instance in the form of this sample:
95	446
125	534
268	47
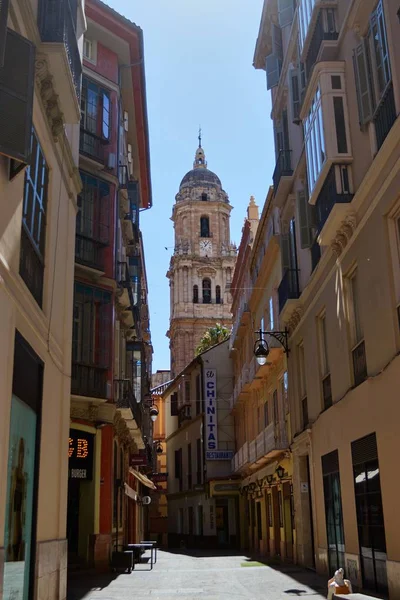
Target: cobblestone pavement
203	577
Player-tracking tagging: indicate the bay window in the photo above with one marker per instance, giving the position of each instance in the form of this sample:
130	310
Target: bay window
95	119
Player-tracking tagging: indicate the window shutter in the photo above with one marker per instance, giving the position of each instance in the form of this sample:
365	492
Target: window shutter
295	95
277	47
305	220
330	463
364	449
174	405
285	252
363	83
3	28
302	82
286	10
273	68
16	96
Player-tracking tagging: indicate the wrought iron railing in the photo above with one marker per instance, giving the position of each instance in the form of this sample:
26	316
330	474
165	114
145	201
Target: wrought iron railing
288	288
92	145
283	167
57	23
31	267
89	380
385	115
319	36
359	363
89	252
328	197
327	391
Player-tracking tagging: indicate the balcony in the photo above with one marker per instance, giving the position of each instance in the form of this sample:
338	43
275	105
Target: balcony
316	50
252	451
333	204
89	252
282	176
269	443
88	380
127	402
288	288
92	145
57	26
315	255
385	115
241	458
308	15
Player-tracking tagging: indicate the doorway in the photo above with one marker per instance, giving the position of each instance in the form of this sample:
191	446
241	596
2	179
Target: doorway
222	522
277	512
288	521
259	526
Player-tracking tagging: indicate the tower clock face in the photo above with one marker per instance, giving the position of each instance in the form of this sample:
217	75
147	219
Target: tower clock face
205	247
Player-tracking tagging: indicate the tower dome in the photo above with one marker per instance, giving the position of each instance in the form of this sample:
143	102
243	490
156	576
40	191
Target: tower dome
201	177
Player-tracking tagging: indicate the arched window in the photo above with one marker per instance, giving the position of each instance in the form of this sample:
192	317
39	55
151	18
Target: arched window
204	197
218	294
206	291
204	227
195	294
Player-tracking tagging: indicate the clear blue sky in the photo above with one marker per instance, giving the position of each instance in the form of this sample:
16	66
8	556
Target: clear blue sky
198	57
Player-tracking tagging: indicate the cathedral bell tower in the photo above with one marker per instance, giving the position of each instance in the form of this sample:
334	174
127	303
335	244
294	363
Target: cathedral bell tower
202	265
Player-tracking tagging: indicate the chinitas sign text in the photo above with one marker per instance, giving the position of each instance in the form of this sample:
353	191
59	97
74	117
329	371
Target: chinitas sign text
210	387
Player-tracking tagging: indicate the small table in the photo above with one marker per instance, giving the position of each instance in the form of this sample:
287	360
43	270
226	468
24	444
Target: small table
155	547
145	546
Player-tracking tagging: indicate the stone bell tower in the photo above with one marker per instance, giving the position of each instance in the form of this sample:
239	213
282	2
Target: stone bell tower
203	261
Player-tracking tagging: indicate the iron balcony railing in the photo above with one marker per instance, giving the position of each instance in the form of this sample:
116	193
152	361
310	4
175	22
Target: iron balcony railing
328	197
283	167
92	145
127	399
89	252
359	363
385	115
288	288
57	23
89	380
319	36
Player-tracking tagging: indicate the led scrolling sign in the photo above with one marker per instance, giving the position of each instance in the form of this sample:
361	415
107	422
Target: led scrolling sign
80	454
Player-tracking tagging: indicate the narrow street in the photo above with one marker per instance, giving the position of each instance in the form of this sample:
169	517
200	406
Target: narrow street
203	577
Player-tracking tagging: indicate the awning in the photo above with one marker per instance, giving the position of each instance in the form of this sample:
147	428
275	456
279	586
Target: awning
268	470
130	492
142	478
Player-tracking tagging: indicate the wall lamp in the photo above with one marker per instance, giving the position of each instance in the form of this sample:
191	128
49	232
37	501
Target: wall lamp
153	413
280	471
270	478
158	447
261	348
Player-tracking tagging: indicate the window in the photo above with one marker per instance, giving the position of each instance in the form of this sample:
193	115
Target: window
333	510
189	466
16	91
306	219
187	392
178	467
206	291
204	197
295	95
275	403
273	63
324	362
218	294
90	50
356	331
174	404
284	392
204	227
314	140
33	233
379	49
369	511
338	108
91	340
92	221
266	415
198	395
302	385
271	314
199	471
286	10
269	509
95	119
195	294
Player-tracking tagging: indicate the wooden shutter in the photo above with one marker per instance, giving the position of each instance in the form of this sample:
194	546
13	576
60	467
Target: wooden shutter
16	97
174	404
277	47
273	69
305	218
364	449
286	141
286	10
363	83
285	252
3	28
294	84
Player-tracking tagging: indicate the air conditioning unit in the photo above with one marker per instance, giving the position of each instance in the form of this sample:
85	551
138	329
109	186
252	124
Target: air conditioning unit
146	500
112	161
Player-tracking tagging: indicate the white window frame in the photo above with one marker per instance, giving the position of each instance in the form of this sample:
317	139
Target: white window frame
92	44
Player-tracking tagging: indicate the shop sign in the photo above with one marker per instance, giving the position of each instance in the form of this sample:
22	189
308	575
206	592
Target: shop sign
80	454
138	460
226	487
210	387
219	455
159	477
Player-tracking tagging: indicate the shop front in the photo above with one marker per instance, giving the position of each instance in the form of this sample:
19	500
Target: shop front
227	522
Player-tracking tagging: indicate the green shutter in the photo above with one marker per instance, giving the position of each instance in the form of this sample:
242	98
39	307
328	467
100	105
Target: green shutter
277	47
363	83
305	220
16	97
294	85
273	68
286	10
3	28
285	252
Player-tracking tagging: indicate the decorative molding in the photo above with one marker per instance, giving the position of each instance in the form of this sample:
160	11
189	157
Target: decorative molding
343	235
295	319
49	97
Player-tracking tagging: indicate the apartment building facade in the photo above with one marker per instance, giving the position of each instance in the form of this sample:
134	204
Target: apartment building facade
203	496
333	71
111	343
260	397
40	75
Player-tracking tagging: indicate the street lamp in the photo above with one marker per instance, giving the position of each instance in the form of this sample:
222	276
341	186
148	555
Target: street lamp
261	348
280	471
153	413
159	448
